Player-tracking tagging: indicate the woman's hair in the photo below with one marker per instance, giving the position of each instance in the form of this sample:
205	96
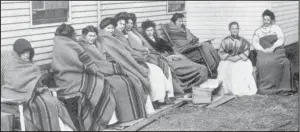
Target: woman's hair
121	16
146	24
22	45
107	21
88	29
65	30
176	16
131	16
269	13
233	23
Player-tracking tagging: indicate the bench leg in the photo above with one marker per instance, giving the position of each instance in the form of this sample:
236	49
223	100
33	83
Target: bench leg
22	120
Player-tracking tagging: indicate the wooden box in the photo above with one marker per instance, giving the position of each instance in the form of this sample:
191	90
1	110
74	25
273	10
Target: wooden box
203	93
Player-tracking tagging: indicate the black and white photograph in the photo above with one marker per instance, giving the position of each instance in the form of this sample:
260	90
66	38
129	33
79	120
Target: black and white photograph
150	65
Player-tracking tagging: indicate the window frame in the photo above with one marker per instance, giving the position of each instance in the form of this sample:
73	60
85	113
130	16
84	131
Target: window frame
50	24
184	11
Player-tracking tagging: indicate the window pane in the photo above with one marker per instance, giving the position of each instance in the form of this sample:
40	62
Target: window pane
57	4
38	4
174	6
55	12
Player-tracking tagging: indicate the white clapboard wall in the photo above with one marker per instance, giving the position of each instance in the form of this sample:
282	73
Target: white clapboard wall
210	19
16	23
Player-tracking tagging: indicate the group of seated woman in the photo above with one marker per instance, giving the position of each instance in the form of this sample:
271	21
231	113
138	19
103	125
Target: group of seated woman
121	74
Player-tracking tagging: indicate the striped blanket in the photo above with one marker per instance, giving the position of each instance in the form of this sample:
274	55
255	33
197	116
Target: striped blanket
126	87
75	72
41	110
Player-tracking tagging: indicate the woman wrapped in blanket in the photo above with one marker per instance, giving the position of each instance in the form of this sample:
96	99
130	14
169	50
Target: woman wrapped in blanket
120	52
160	74
272	65
126	87
42	111
77	74
186	72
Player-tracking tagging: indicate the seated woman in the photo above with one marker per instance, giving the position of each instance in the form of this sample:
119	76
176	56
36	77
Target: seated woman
126	87
158	64
235	69
188	72
76	73
272	65
116	51
42	111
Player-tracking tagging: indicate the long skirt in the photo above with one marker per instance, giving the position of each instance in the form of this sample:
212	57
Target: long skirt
273	72
130	100
237	77
160	85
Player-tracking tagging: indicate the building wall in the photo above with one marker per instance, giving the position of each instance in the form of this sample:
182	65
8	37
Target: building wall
206	19
210	19
15	23
287	17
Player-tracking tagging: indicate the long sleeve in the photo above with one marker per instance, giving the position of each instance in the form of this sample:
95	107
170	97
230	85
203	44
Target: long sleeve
245	54
280	35
221	51
255	42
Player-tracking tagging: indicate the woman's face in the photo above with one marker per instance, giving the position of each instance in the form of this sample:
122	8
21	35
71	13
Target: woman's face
120	25
129	25
179	22
109	28
91	37
25	55
267	21
149	32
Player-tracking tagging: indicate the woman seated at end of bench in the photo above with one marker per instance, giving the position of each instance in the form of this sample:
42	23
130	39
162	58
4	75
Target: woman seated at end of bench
42	111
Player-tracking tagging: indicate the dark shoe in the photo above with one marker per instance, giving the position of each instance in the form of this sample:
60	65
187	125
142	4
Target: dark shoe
169	101
156	105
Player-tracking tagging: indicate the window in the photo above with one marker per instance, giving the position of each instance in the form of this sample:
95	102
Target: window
46	12
176	6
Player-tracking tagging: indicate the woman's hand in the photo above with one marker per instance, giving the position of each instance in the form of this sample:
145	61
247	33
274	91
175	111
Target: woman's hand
269	50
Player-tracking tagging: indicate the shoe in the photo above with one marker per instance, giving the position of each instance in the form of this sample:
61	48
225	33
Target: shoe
156	105
168	101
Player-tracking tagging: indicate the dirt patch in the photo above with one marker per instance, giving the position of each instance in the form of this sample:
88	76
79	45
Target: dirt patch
243	113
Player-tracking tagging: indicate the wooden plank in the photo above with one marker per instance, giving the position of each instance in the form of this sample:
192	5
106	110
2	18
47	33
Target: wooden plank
218	101
154	116
158	113
84	14
84	8
10	13
135	10
15	6
139	4
17	19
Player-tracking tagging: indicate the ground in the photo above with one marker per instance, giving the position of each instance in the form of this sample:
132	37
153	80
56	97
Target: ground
258	112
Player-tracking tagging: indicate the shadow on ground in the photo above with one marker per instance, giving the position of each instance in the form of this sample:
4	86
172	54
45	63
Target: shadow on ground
256	112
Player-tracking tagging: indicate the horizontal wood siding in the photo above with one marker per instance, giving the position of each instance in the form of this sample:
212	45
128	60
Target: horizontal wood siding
287	17
210	19
15	23
152	10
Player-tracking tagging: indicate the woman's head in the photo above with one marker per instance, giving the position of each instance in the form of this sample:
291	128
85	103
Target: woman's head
24	49
108	24
148	28
130	21
90	34
120	19
268	17
177	19
66	31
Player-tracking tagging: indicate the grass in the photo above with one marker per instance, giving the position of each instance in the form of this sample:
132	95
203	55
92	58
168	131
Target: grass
256	112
